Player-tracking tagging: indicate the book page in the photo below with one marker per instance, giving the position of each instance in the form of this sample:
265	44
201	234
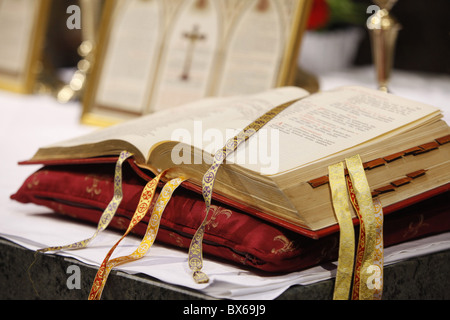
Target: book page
330	122
205	124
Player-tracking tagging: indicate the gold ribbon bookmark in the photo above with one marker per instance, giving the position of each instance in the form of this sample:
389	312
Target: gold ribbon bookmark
148	239
141	210
367	265
376	278
367	284
195	258
109	212
347	234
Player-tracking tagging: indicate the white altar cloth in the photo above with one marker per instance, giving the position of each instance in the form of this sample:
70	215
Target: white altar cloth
29	122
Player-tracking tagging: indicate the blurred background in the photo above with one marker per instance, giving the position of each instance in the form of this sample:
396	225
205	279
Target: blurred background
335	48
423	43
335	28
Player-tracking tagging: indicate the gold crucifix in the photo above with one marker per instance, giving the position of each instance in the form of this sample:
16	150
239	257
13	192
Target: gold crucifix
263	5
192	37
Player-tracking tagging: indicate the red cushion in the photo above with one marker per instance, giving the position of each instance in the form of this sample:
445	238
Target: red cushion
83	191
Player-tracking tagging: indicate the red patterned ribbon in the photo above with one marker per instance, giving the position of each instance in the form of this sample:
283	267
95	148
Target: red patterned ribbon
339	196
150	234
141	210
361	242
368	273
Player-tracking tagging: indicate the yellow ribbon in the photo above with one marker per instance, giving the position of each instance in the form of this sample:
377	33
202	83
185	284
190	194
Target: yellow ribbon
141	210
376	280
109	212
195	258
370	229
368	262
149	237
347	236
361	242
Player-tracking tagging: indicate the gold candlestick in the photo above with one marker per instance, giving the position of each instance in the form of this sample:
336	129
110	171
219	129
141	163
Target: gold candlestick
91	12
383	29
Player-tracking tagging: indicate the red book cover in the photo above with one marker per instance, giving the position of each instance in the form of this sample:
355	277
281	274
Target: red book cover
247	209
82	190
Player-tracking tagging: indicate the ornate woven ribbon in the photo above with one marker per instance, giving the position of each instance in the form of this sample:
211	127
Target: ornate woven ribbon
195	257
368	253
109	212
341	207
361	242
141	210
149	237
376	280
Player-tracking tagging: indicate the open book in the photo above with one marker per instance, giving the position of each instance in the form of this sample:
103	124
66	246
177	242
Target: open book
280	173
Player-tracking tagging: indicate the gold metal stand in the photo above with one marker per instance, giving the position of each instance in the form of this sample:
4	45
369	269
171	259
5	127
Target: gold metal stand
48	80
91	12
383	30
